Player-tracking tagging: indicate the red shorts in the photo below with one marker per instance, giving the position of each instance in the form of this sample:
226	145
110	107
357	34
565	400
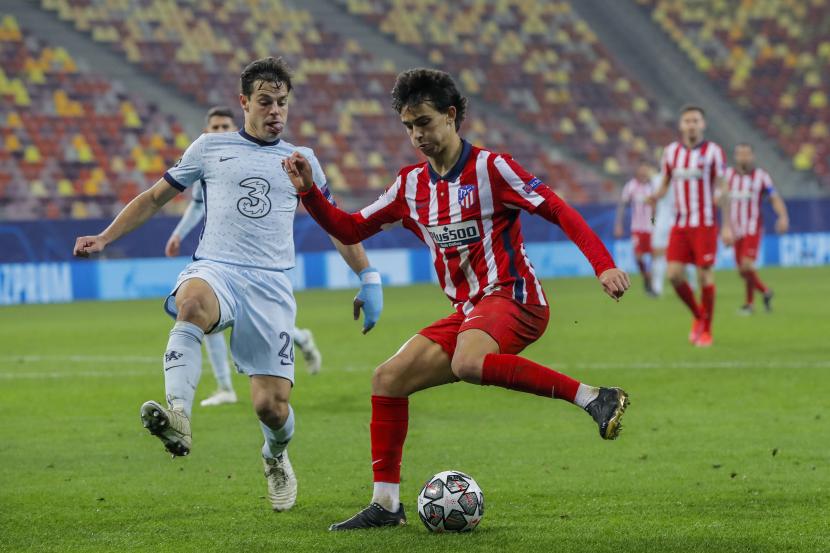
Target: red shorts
641	242
513	325
747	247
695	245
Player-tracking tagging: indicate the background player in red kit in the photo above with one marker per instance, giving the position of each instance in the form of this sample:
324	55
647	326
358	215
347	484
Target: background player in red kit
748	185
636	192
696	169
464	205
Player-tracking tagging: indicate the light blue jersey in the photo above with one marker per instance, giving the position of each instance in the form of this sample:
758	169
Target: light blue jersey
249	201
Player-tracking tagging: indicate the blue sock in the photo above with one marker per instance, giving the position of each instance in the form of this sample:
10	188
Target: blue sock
183	365
277	440
217	352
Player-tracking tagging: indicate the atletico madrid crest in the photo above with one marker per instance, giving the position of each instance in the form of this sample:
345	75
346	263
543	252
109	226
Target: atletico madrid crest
466	195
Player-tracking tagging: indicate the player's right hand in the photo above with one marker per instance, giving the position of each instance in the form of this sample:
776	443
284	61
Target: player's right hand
299	171
614	282
85	245
174	246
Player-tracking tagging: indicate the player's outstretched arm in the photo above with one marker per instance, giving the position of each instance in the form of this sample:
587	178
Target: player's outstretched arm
661	191
134	214
349	228
782	222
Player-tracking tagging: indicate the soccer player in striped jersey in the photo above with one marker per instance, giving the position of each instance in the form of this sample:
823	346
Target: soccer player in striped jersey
748	185
636	193
464	204
694	167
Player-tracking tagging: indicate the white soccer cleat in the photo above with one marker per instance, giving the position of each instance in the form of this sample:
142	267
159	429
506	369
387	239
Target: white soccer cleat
282	483
313	357
219	397
171	426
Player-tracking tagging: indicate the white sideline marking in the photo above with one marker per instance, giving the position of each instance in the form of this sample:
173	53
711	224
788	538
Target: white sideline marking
25	373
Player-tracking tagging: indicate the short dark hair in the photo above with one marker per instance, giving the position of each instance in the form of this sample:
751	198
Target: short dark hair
692	107
218	111
420	85
269	70
744	145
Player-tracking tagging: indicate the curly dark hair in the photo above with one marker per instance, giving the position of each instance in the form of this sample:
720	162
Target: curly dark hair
269	70
416	86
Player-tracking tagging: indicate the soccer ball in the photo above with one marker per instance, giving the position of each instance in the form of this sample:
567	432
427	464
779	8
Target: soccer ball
451	501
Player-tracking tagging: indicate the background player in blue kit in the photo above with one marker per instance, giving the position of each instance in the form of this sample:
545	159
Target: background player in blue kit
220	119
237	278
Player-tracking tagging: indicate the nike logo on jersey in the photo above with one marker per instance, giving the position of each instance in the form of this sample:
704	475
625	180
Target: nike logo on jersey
473	317
221	159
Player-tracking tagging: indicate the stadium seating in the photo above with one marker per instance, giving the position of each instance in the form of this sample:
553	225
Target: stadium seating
342	106
771	57
538	59
74	144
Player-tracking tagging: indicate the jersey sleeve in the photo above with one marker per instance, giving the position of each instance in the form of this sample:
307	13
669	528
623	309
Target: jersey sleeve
319	175
718	162
190	168
351	228
515	187
626	192
665	165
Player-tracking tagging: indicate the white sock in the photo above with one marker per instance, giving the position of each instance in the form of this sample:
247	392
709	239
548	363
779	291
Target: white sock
585	394
387	495
277	440
658	274
217	352
300	336
183	365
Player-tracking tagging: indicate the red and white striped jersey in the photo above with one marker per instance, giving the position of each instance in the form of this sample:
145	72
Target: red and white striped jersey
746	190
469	219
694	174
636	193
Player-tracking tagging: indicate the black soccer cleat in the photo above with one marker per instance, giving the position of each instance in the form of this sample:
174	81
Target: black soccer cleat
607	410
768	300
373	516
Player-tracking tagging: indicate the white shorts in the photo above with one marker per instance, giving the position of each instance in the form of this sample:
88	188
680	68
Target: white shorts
259	305
662	228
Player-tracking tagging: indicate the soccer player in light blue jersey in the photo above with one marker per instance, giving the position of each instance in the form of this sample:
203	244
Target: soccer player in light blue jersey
220	119
237	278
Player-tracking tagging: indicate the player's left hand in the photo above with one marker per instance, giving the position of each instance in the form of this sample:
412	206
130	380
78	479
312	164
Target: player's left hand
782	225
614	282
369	298
726	235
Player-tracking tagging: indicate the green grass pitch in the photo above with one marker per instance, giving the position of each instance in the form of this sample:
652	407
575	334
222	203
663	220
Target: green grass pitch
723	449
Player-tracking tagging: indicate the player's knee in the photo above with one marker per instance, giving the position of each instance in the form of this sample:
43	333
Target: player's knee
467	367
677	277
746	265
386	380
193	310
271	411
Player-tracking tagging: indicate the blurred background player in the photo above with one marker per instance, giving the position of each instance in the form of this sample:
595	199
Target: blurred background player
663	213
237	278
748	185
694	167
636	193
220	119
463	203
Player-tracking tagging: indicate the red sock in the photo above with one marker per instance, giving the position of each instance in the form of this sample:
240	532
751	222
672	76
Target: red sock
750	287
390	418
517	373
756	282
688	296
708	302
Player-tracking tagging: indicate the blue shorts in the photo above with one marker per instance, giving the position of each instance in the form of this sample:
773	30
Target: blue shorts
259	305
